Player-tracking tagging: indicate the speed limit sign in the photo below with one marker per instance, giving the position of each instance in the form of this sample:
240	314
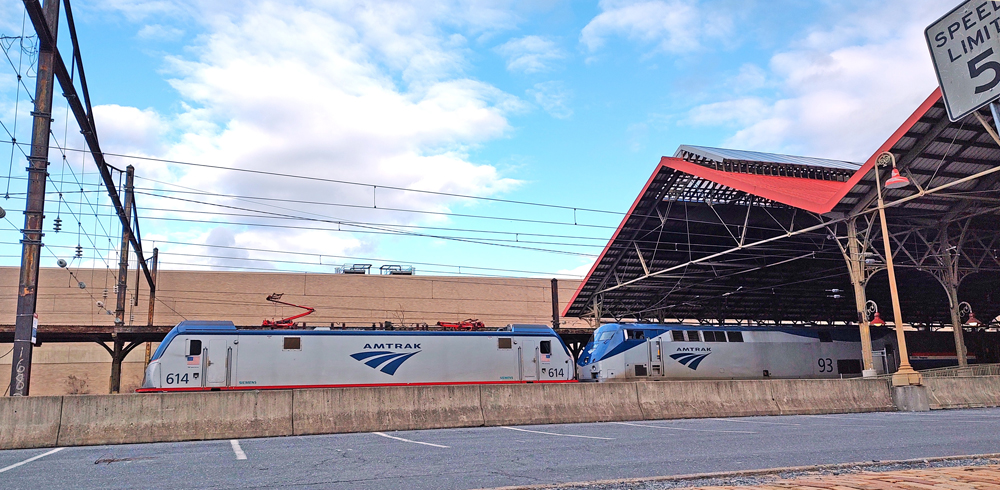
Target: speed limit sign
965	48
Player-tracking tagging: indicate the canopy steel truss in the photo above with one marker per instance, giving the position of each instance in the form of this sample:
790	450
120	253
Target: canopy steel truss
725	235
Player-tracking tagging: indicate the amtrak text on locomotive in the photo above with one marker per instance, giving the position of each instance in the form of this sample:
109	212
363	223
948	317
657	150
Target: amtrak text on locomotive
391	346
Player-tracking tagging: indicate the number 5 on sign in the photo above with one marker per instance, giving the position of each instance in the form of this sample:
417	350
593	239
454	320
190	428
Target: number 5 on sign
965	49
980	65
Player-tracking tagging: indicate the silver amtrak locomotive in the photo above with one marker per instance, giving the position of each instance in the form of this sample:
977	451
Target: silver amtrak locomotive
663	351
198	355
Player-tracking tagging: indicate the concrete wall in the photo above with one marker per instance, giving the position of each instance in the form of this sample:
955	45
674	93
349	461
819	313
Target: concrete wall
811	396
328	411
688	399
135	418
559	403
963	392
139	418
29	421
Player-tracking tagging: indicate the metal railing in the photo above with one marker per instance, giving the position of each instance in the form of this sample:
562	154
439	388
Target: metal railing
954	371
973	370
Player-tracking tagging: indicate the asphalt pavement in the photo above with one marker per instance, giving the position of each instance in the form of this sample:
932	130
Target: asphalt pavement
501	456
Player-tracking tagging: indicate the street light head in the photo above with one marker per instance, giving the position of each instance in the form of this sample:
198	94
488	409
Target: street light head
972	321
896	181
877	321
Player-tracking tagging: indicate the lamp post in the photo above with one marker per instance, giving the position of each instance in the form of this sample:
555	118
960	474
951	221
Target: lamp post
905	375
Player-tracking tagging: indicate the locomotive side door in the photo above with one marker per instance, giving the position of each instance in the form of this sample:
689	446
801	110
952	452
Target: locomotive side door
527	355
219	361
656	356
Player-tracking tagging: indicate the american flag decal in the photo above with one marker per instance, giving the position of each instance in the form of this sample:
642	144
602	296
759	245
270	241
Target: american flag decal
193	360
546	357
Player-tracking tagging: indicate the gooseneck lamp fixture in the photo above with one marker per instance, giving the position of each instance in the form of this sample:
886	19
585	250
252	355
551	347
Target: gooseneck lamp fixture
972	322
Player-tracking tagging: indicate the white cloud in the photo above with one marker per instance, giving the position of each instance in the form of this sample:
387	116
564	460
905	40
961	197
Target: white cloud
554	97
157	32
576	272
671	26
530	54
742	111
129	130
750	77
842	90
365	93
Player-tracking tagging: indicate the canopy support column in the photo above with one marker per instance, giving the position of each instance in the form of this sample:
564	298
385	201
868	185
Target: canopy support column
950	282
856	266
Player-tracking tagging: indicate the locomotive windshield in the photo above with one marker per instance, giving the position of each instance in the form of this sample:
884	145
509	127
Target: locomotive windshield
603	340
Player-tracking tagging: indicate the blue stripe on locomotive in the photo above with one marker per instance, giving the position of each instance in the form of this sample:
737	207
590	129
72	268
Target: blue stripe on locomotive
597	350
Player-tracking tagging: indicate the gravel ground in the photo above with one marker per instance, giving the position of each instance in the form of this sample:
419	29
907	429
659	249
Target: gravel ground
750	480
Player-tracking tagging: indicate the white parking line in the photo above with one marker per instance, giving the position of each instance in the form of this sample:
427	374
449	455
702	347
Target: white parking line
560	435
756	422
834	417
679	428
853	419
237	449
407	440
15	465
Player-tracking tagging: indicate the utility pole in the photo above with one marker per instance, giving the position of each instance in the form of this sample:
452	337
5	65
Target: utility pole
152	302
117	353
34	212
555	303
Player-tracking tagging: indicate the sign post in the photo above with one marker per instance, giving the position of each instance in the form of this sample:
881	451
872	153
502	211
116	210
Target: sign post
965	49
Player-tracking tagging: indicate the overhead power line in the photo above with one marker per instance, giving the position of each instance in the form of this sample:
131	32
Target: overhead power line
348	182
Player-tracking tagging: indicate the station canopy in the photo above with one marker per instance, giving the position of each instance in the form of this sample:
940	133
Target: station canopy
727	235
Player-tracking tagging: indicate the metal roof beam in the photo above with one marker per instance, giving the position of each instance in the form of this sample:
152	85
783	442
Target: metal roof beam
918	148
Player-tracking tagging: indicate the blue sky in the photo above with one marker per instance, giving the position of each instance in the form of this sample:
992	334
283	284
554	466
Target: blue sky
570	103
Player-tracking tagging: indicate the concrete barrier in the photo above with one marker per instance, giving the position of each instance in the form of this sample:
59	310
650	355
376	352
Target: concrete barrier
543	403
691	399
328	411
29	421
963	392
139	418
135	418
813	396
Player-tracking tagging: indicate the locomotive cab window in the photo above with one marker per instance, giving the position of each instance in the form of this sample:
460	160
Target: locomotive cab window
635	334
545	347
735	336
293	343
503	343
678	335
194	347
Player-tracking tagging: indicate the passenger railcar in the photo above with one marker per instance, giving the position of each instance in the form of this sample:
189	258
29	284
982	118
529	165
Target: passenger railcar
218	356
658	351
